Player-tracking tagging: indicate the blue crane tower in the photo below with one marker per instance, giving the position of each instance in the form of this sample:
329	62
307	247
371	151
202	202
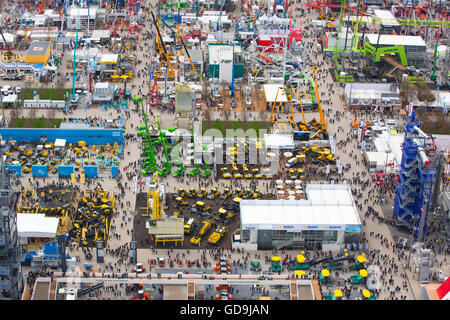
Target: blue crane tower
416	180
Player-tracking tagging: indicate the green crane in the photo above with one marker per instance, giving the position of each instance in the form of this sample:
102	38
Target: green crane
196	170
181	170
207	172
310	86
167	169
149	164
433	75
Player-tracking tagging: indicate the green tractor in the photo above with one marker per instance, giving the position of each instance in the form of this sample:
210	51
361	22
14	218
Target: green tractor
360	278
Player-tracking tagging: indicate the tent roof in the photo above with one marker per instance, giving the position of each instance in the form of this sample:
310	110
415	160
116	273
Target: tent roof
109	58
60	142
36	225
327	205
279	141
270	91
11	98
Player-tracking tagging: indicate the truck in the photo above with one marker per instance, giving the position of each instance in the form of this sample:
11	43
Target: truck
216	235
188	225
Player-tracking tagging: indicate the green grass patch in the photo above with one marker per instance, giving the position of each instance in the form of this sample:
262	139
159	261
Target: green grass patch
35	123
222	126
44	93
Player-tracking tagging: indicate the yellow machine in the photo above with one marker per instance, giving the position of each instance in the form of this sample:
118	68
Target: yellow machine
213	194
181	192
192	193
322	123
206	225
226	193
188	226
216	235
180	201
203	193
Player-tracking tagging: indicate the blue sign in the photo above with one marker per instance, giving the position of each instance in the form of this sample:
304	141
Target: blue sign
312	227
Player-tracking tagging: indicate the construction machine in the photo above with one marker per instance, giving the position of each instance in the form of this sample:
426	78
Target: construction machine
165	57
215	237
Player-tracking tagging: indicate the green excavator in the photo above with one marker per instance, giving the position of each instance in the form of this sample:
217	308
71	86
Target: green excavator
149	164
167	169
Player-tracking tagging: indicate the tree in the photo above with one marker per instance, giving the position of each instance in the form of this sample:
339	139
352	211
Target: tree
32	113
406	93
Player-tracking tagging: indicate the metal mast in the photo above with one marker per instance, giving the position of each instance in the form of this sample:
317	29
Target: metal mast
11	283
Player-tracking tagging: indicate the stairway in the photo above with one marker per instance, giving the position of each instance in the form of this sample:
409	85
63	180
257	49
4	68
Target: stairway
288	242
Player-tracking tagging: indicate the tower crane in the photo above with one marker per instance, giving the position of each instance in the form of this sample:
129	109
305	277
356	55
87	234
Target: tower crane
323	122
165	55
75	55
219	23
197	76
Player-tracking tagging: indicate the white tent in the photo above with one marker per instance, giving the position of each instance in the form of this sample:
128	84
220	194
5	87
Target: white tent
36	225
60	143
11	98
279	141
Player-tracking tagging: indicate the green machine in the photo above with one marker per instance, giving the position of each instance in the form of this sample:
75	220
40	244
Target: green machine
205	174
433	75
149	164
302	266
167	169
276	267
400	50
180	171
310	86
359	278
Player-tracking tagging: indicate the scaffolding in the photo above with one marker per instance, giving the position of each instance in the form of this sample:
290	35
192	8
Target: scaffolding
416	180
11	283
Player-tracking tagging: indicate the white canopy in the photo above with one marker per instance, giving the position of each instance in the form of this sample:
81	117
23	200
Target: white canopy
279	141
36	225
11	98
275	91
328	207
60	142
109	58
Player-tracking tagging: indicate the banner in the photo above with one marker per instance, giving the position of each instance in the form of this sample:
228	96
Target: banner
147	181
328	169
135	183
